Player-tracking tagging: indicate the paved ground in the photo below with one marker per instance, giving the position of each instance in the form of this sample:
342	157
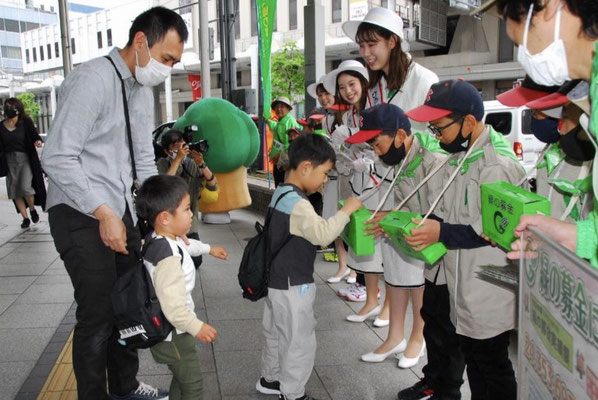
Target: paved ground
36	295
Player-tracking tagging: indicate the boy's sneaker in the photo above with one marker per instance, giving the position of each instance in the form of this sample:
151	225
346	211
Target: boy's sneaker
143	392
34	216
25	224
358	293
420	391
265	387
304	397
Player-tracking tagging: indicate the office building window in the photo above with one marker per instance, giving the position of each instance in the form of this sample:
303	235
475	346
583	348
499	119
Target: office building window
49	48
27	56
109	37
336	11
253	18
56	50
73	50
11	25
10	52
292	14
34	54
41	53
99	39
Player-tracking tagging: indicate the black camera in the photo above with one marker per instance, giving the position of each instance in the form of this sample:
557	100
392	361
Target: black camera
201	146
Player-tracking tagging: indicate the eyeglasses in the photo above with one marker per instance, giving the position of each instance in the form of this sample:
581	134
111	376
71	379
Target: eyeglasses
437	130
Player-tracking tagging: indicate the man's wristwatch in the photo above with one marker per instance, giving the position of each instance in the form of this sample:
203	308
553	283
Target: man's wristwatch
202	165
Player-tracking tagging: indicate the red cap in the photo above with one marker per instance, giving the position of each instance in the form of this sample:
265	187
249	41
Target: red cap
303	122
363	136
339	107
427	113
519	96
551	101
316	117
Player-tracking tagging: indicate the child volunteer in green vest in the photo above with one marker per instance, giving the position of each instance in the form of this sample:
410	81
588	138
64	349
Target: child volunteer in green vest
280	140
558	41
386	128
483	313
564	165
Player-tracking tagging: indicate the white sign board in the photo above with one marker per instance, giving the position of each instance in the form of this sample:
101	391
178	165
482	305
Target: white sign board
558	323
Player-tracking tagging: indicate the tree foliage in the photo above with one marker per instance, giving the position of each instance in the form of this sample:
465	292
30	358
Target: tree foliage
32	108
288	72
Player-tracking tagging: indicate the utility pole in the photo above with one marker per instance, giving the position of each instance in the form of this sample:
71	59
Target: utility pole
315	54
228	68
204	49
63	14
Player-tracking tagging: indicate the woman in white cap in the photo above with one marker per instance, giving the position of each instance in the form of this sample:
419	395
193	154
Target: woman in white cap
331	120
349	84
394	78
280	141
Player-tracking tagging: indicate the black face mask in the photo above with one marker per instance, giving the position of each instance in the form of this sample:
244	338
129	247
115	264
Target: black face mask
458	145
574	147
545	130
10	112
394	155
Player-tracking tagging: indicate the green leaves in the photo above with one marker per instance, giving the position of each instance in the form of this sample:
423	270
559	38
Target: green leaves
31	107
288	72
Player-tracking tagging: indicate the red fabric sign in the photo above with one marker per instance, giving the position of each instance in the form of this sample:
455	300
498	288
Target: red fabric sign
195	81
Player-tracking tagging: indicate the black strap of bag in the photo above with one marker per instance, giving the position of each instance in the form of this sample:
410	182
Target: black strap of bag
265	228
128	124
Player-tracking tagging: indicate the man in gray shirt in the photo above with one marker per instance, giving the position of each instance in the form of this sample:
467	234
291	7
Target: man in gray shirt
90	175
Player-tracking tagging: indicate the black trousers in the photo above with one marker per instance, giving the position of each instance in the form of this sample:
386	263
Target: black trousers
489	369
444	371
93	269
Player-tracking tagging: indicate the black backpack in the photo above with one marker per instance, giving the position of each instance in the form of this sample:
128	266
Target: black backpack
139	318
254	269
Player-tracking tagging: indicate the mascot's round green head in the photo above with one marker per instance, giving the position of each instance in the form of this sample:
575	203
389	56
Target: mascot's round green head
232	136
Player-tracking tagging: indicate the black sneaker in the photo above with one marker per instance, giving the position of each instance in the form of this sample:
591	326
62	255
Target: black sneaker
421	390
34	216
143	392
304	397
265	387
26	222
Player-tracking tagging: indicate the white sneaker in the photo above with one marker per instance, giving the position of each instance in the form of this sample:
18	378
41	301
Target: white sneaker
342	292
357	294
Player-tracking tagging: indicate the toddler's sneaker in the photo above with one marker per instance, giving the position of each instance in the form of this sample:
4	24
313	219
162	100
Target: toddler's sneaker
358	293
143	392
265	387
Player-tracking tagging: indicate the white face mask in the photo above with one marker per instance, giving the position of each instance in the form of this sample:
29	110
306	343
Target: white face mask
154	73
548	67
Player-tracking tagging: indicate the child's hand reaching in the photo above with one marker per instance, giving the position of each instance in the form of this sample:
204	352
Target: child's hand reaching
218	252
207	334
352	204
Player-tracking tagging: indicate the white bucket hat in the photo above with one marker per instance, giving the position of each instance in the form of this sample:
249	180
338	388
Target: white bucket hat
347	65
311	89
383	18
282	100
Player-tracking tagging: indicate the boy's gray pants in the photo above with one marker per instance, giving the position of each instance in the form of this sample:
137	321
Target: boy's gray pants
289	329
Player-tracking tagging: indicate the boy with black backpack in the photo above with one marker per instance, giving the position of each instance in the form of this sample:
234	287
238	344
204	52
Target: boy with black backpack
164	201
294	231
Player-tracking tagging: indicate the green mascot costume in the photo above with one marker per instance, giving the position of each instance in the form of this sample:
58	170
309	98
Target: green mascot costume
233	142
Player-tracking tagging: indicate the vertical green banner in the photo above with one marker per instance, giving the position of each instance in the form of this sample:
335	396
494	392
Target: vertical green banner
266	10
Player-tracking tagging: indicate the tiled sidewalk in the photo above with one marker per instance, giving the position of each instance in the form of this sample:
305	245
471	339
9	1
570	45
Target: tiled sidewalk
36	314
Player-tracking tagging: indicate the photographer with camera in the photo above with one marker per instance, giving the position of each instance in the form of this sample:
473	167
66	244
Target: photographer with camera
194	171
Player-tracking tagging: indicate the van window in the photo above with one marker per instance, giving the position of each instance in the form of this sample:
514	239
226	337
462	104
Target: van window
500	121
526	121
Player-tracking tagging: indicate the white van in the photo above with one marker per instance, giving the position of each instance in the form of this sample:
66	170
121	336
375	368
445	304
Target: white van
514	124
